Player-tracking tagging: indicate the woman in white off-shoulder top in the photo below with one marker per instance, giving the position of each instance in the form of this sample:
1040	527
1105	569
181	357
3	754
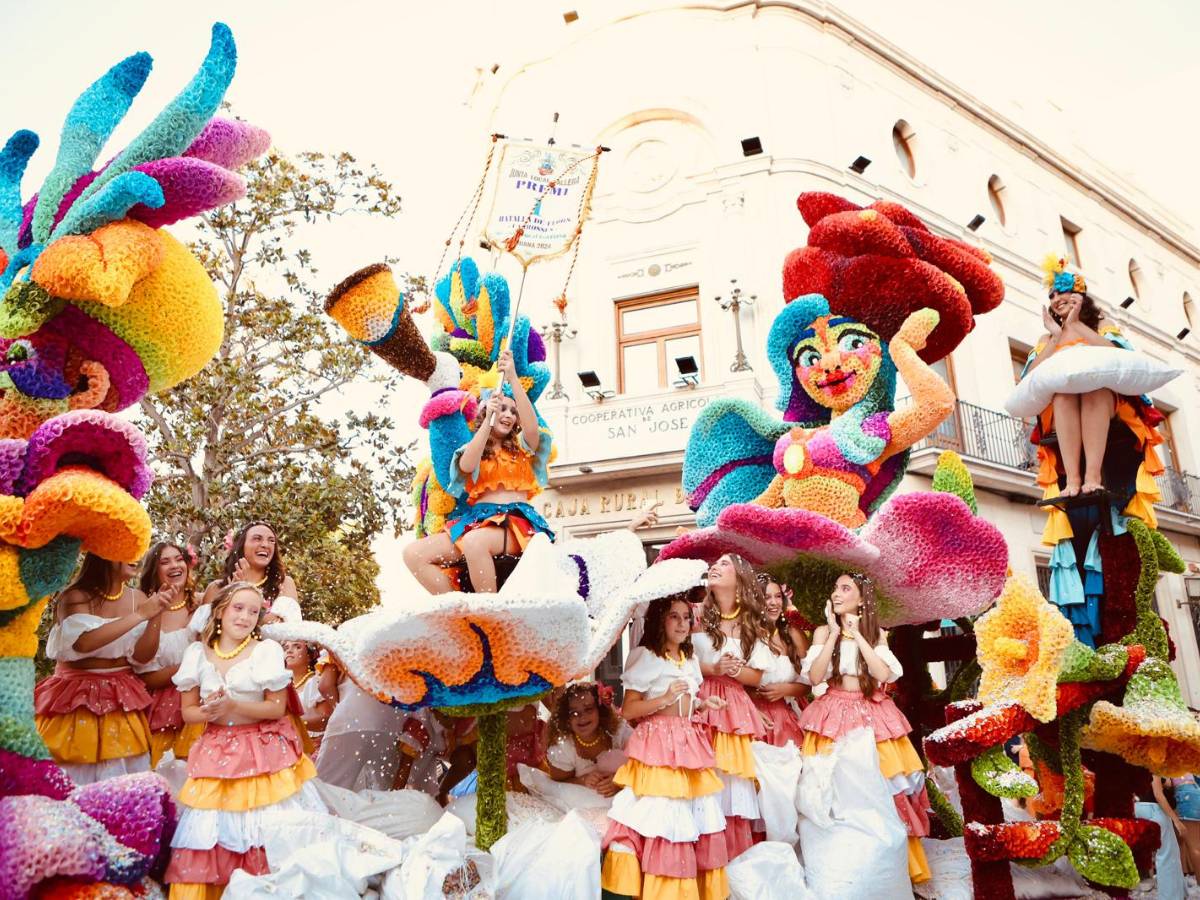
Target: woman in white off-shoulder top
850	652
91	713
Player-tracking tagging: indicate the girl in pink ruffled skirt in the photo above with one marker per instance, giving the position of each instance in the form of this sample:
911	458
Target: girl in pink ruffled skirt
249	762
851	653
733	656
781	688
666	834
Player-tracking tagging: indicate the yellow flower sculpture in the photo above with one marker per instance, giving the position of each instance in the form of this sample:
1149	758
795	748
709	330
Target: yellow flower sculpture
1152	728
1021	645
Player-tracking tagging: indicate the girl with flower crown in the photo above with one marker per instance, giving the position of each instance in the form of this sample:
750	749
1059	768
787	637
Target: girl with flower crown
248	762
169	564
498	470
733	655
850	655
781	687
667	836
92	712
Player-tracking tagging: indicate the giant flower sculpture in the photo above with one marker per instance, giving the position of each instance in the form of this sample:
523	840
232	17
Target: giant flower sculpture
99	307
555	618
1021	642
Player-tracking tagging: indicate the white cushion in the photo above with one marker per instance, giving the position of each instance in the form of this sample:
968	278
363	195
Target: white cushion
1081	369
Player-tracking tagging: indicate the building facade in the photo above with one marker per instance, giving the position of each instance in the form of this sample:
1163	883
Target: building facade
717	119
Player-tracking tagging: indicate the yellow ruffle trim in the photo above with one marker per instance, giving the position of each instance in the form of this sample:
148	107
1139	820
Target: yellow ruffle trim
816	744
84	737
918	864
196	892
1058	526
178	741
898	757
733	754
239	794
621	874
664	781
1147	494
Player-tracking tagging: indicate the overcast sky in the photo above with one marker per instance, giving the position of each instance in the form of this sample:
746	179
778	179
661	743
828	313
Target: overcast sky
389	82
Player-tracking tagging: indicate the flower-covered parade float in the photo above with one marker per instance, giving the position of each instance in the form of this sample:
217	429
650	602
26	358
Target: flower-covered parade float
873	295
100	306
560	606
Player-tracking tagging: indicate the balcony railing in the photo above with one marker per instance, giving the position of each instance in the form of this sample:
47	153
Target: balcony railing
998	438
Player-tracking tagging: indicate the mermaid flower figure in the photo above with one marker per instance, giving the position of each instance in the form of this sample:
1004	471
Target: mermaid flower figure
873	295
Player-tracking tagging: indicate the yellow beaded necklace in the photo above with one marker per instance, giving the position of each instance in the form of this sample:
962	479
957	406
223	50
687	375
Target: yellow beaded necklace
587	745
729	617
236	650
116	596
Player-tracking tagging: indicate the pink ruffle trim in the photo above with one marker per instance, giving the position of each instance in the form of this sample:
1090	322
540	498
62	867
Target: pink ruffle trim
213	866
671	741
837	712
913	810
785	724
166	709
739	715
658	856
739	836
100	693
240	751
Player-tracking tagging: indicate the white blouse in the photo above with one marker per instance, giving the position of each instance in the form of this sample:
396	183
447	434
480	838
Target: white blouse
310	693
760	654
650	674
60	643
564	755
780	671
848	662
262	670
358	711
171	645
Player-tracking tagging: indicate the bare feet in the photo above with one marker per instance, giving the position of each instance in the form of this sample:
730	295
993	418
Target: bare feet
1091	487
1071	490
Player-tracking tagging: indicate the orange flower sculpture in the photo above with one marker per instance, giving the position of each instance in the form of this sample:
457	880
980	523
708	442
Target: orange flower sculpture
1021	642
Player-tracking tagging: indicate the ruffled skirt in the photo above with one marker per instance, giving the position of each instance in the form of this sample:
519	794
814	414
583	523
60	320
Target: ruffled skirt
168	731
784	723
94	721
837	713
239	777
666	833
733	729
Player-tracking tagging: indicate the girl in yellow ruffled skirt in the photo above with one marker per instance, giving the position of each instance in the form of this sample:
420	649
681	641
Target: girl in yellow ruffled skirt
91	713
248	763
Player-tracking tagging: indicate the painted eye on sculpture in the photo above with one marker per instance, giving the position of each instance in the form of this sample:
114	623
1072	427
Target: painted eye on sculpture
18	351
851	342
807	356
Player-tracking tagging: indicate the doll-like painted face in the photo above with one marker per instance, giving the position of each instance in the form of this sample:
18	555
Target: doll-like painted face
836	360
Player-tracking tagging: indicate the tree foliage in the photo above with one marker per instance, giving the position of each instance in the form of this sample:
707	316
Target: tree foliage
253	436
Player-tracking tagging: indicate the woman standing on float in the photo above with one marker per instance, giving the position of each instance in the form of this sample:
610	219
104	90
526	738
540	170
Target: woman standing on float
170	565
91	712
781	687
733	655
666	837
256	558
498	470
850	652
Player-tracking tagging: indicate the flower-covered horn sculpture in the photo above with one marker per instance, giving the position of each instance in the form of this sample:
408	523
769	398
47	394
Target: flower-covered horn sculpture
100	307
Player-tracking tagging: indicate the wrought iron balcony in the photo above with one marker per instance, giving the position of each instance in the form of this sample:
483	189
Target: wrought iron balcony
995	437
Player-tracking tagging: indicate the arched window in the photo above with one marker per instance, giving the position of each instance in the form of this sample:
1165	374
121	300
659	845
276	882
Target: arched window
996	194
1135	279
903	138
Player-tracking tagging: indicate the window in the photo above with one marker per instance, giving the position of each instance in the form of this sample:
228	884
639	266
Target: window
996	194
1043	575
1071	242
652	332
1166	450
949	433
1019	355
903	140
1135	279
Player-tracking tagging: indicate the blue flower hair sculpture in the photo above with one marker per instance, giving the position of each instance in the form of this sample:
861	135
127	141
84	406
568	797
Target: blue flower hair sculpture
99	307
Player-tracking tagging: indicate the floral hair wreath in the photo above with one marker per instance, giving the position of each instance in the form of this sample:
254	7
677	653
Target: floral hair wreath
1059	279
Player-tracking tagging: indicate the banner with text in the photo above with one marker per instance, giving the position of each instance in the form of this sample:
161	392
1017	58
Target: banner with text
524	184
